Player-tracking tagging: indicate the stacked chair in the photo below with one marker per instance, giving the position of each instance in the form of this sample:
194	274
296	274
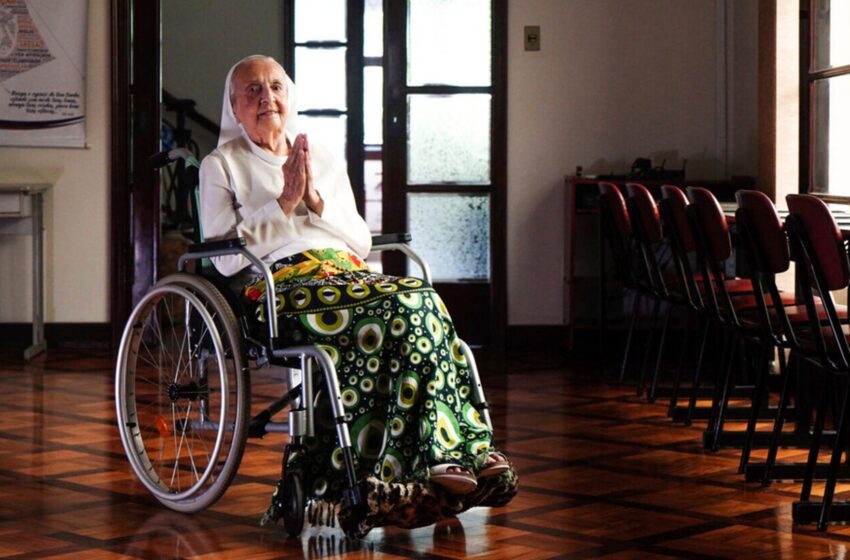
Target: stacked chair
767	253
617	232
819	247
650	242
808	339
726	310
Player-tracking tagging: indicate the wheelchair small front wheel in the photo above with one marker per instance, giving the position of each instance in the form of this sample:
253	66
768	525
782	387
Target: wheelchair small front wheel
293	504
182	394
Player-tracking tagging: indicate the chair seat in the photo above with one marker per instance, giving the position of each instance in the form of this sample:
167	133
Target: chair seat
798	315
743	302
806	340
733	285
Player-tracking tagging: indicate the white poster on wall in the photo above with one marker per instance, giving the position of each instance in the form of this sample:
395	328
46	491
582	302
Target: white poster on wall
42	73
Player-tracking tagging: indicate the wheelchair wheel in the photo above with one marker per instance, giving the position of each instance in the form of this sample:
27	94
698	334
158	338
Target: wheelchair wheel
293	504
182	394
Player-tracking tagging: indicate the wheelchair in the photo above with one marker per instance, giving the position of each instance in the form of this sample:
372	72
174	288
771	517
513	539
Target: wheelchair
183	380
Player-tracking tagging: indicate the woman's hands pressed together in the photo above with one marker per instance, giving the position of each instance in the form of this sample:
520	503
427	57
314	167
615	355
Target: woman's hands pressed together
298	179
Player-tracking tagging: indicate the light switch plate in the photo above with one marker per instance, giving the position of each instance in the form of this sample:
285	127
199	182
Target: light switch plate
532	37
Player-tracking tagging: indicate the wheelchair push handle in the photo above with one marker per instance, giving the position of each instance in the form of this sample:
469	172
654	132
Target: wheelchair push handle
164	158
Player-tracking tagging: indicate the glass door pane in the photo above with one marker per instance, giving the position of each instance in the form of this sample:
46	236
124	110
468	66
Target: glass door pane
449	42
320	20
448	139
452	233
321	78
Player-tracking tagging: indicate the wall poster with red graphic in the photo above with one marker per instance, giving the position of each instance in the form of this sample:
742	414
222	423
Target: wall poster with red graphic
42	73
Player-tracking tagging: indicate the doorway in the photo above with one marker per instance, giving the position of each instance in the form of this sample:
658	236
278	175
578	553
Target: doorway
457	216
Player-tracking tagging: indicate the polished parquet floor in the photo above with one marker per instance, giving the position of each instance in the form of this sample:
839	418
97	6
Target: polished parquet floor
602	475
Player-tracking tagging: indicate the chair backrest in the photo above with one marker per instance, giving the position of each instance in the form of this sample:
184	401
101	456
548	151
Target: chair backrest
613	205
765	248
674	220
825	237
645	220
768	235
680	232
712	223
714	246
646	226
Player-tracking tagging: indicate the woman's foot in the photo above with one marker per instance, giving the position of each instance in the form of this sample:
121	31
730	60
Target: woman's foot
454	478
496	464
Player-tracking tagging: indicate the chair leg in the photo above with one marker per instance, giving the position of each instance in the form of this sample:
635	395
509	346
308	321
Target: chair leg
759	395
677	380
695	383
834	463
719	376
787	373
723	400
653	386
632	326
646	351
814	447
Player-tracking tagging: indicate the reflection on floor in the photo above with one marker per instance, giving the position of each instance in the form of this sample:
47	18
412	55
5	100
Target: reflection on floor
602	474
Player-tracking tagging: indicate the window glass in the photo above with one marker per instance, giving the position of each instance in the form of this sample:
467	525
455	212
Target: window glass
448	138
831	135
373	181
319	20
831	41
373	105
449	42
373	28
329	131
452	233
320	75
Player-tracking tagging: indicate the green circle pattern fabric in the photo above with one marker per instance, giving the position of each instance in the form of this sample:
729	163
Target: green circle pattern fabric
403	378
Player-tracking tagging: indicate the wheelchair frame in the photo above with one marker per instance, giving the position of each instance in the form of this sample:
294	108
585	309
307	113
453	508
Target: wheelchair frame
208	313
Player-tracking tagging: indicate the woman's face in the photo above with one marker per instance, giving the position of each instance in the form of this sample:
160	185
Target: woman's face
261	101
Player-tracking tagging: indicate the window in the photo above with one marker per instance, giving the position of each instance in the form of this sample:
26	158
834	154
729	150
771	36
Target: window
337	48
826	91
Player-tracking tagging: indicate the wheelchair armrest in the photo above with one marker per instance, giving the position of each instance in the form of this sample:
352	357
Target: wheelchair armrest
220	245
389	239
399	242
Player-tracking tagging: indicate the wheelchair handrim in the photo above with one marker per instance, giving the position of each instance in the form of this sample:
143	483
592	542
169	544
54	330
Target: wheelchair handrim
134	445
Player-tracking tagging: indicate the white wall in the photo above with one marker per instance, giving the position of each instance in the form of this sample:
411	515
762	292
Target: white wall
76	212
614	80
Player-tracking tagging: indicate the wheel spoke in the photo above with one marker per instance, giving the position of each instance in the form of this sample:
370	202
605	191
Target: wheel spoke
181	361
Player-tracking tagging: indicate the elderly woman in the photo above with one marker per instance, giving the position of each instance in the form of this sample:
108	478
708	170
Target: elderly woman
403	380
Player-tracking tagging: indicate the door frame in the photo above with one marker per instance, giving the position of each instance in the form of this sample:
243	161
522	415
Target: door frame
134	184
395	163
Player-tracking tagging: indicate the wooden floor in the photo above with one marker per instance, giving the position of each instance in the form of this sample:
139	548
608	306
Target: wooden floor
602	475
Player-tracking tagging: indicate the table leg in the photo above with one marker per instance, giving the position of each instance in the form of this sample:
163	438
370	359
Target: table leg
39	345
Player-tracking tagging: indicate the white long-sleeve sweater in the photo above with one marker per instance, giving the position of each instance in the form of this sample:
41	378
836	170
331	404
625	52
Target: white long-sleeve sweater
240	185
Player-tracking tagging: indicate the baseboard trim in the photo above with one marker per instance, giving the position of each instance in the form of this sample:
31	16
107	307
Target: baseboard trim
58	335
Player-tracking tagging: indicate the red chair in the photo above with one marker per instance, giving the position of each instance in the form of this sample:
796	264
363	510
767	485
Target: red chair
646	224
714	248
673	212
819	247
617	230
762	233
673	209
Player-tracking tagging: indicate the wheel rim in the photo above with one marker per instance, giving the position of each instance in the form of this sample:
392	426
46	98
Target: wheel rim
169	408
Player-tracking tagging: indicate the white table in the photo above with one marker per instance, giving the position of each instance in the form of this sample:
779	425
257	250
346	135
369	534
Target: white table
22	205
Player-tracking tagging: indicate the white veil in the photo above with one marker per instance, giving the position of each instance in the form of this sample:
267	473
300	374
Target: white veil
231	129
